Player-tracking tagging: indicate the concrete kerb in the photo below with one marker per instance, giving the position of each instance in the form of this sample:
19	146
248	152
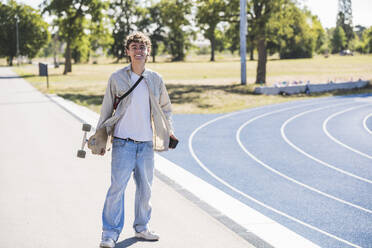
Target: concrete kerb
235	215
309	88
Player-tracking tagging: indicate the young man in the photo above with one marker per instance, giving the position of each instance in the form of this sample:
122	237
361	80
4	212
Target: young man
140	124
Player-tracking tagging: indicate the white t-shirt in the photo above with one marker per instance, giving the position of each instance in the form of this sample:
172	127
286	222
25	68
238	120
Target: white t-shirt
136	122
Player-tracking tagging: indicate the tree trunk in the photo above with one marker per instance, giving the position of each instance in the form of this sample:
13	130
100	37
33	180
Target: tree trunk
67	59
10	60
251	51
56	64
261	64
213	46
251	48
55	47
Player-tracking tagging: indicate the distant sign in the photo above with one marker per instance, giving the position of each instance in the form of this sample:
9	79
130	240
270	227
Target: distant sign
43	69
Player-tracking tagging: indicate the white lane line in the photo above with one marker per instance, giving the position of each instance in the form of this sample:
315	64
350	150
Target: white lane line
253	221
282	130
365	123
285	176
336	140
246	195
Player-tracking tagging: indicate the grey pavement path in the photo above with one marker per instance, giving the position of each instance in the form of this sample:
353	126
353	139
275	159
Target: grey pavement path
50	198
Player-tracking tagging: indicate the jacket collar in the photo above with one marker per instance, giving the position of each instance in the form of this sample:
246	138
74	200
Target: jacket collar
128	70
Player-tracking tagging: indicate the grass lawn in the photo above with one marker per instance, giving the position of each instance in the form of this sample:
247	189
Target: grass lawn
199	86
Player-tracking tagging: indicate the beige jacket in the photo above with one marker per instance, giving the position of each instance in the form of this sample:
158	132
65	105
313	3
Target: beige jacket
160	105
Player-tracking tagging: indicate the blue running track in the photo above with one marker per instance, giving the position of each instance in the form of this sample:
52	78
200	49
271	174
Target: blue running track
305	164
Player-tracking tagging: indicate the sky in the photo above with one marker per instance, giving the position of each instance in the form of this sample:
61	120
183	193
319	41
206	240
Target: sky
326	10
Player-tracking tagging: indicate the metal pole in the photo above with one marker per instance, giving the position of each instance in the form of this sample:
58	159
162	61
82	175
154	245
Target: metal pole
243	49
17	55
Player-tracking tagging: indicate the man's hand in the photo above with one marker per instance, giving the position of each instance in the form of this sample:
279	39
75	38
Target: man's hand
103	151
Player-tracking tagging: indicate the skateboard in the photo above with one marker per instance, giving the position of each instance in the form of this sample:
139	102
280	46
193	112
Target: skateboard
86	128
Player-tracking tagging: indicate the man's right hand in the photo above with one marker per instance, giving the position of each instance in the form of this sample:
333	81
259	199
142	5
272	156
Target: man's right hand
103	151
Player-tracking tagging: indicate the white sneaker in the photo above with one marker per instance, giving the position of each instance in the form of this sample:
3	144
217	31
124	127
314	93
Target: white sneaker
147	235
107	243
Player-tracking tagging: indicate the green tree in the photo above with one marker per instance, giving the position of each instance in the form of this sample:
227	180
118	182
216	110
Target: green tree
359	29
100	37
73	17
345	20
150	22
123	14
232	37
293	33
363	40
96	37
80	49
338	40
232	32
32	30
260	12
174	15
317	32
367	39
209	14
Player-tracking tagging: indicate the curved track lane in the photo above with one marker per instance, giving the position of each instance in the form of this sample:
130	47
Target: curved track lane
281	161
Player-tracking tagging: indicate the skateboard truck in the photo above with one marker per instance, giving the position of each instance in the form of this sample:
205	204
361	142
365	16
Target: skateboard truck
86	128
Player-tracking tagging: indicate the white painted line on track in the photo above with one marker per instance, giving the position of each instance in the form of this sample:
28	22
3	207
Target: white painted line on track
255	222
336	140
285	176
282	130
266	235
365	123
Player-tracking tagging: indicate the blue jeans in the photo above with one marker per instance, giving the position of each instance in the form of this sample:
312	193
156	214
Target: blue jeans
128	157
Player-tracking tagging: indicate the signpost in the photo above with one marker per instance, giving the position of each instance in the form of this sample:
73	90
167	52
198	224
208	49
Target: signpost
43	71
17	36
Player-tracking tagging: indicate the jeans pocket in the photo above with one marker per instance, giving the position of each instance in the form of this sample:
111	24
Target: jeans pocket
150	145
118	143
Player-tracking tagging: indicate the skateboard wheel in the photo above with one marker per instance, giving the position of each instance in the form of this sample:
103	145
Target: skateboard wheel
81	154
86	127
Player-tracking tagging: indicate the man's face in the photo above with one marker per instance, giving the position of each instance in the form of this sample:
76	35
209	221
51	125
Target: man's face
137	51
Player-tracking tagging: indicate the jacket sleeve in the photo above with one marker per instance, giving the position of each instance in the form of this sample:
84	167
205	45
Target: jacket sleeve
165	104
107	103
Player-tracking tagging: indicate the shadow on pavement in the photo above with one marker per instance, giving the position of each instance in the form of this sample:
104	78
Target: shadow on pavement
83	98
130	241
17	76
9	77
126	243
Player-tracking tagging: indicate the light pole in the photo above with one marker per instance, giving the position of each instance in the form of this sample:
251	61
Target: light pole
17	35
243	49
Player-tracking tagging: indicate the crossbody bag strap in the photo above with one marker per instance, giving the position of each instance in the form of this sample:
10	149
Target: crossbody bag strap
118	99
